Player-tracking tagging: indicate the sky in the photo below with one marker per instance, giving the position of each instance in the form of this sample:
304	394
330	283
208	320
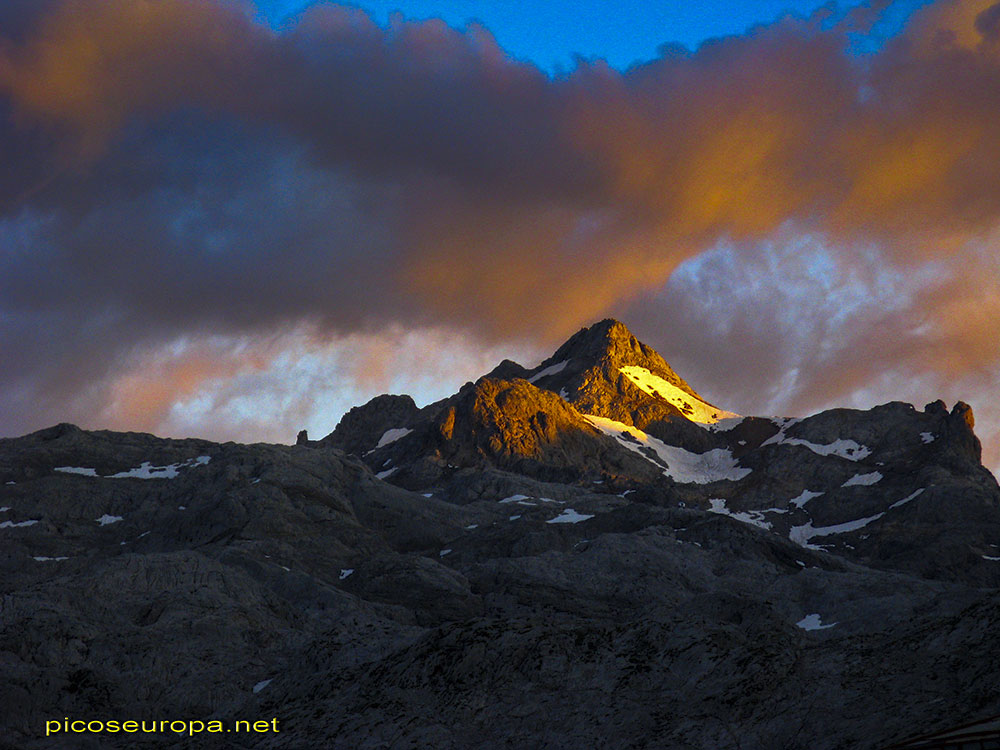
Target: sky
238	220
552	34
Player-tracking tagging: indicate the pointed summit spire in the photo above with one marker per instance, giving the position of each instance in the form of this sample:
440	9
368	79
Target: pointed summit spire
606	371
610	341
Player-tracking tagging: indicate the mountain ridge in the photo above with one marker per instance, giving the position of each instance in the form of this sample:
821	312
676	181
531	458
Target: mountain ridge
551	555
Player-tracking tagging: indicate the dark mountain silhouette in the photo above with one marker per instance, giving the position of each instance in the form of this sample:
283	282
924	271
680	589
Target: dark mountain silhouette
588	552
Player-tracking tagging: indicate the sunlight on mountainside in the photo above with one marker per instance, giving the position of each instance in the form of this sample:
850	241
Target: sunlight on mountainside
693	408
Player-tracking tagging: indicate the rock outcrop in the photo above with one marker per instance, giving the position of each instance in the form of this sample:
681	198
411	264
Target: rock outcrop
361	428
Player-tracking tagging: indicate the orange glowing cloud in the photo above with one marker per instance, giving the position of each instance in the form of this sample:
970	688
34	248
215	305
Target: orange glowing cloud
173	166
142	396
89	67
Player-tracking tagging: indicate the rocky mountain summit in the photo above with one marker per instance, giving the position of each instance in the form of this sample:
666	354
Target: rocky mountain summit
588	552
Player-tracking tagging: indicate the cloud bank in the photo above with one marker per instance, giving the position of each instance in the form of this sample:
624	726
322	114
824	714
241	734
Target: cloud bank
187	190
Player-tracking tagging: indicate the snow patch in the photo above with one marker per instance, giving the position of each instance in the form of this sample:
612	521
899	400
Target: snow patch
678	464
77	470
550	370
344	572
47	559
261	685
987	557
906	499
927	437
145	471
782	423
444	552
813	622
725	425
848	449
752	517
690	406
570	516
17	524
514	499
4	509
391	436
802	534
148	471
387	473
843	448
804	498
472	526
513	518
105	520
863	479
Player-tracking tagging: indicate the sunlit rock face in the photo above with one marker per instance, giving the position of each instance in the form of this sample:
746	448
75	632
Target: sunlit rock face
514	425
586	553
604	370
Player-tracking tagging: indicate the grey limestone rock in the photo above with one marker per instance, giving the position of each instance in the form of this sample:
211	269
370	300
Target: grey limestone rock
496	570
361	428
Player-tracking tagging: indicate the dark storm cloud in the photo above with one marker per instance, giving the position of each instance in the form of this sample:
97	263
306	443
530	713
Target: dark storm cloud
173	168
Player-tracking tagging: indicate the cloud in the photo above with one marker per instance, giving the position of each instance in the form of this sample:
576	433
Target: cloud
175	170
787	329
268	387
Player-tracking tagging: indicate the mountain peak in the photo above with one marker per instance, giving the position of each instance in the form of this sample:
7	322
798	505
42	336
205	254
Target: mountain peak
604	370
610	328
608	338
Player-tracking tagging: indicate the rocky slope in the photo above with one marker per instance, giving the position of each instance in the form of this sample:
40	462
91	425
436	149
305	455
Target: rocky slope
585	552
